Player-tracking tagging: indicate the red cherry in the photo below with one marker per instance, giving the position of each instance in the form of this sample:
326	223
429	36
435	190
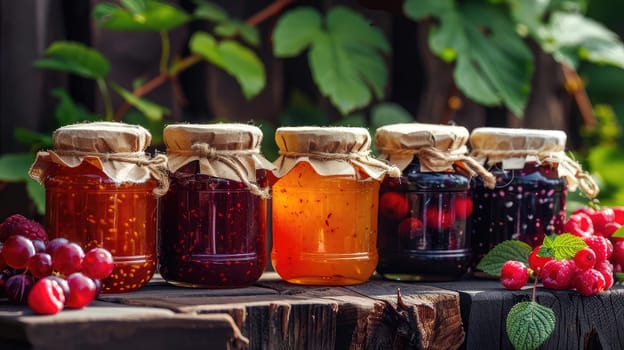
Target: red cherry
410	228
514	275
393	205
439	219
536	262
67	258
17	250
46	297
463	207
82	290
40	265
580	225
98	263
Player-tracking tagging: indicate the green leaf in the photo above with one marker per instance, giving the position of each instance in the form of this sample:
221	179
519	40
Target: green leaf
348	26
529	324
419	9
564	246
295	31
353	120
14	166
236	59
33	138
151	16
210	11
155	127
68	112
151	110
618	276
231	28
389	113
501	253
619	233
474	85
76	58
36	192
135	6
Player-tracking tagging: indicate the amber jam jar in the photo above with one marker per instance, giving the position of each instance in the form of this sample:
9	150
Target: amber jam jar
213	221
101	190
533	174
423	214
324	205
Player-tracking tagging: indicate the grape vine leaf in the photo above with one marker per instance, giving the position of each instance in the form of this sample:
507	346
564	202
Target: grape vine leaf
529	324
151	110
345	53
76	58
564	246
141	15
236	59
493	261
494	64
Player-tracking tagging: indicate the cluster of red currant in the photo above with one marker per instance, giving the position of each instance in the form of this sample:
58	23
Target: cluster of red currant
590	268
48	276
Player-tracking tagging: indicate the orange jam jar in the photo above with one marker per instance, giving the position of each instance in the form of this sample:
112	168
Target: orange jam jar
101	191
324	205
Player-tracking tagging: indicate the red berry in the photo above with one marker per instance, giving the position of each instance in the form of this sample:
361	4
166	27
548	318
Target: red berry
62	283
606	269
54	244
585	210
463	207
599	245
98	263
618	252
393	205
580	225
39	245
514	275
439	219
558	274
589	282
536	262
16	224
40	265
611	228
46	297
17	288
67	259
618	215
17	250
585	259
82	290
601	218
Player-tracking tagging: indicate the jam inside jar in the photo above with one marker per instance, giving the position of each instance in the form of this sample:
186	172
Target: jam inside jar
213	231
85	206
526	204
422	225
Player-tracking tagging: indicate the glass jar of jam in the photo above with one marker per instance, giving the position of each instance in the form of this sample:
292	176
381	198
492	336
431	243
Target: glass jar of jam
533	174
101	190
423	214
213	218
324	205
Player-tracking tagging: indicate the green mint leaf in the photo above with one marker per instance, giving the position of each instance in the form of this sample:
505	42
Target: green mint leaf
564	246
151	16
151	110
210	12
76	58
619	233
295	31
501	253
529	324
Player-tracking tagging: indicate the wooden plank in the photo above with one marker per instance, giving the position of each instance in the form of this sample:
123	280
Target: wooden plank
104	325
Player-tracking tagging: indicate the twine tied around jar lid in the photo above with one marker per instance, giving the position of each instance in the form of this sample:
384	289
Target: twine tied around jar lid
438	148
514	147
330	151
117	149
224	150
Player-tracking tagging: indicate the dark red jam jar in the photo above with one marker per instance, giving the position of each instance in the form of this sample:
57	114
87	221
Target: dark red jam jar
423	214
532	177
213	218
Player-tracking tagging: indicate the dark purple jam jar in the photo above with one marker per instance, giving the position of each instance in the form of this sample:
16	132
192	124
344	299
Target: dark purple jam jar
529	200
213	224
423	214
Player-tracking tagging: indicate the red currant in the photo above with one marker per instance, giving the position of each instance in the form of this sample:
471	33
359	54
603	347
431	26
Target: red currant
82	290
589	282
40	265
67	259
536	262
585	259
17	250
98	263
514	275
580	225
46	297
558	274
393	205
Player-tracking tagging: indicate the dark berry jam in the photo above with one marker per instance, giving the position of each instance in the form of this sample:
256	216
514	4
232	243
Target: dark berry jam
526	204
213	231
422	226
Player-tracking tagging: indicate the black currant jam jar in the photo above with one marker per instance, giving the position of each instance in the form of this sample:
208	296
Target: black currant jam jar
423	215
213	218
533	174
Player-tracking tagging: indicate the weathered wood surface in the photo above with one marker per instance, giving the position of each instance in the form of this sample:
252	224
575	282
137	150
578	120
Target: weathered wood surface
466	314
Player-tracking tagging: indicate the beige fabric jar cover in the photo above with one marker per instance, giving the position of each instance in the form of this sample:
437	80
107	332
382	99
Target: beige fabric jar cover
330	151
229	151
514	147
439	148
117	149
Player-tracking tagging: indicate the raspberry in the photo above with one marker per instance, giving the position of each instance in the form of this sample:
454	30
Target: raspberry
46	297
585	259
618	252
599	245
611	228
606	269
558	274
589	282
393	205
618	214
536	263
514	275
601	218
580	225
16	224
